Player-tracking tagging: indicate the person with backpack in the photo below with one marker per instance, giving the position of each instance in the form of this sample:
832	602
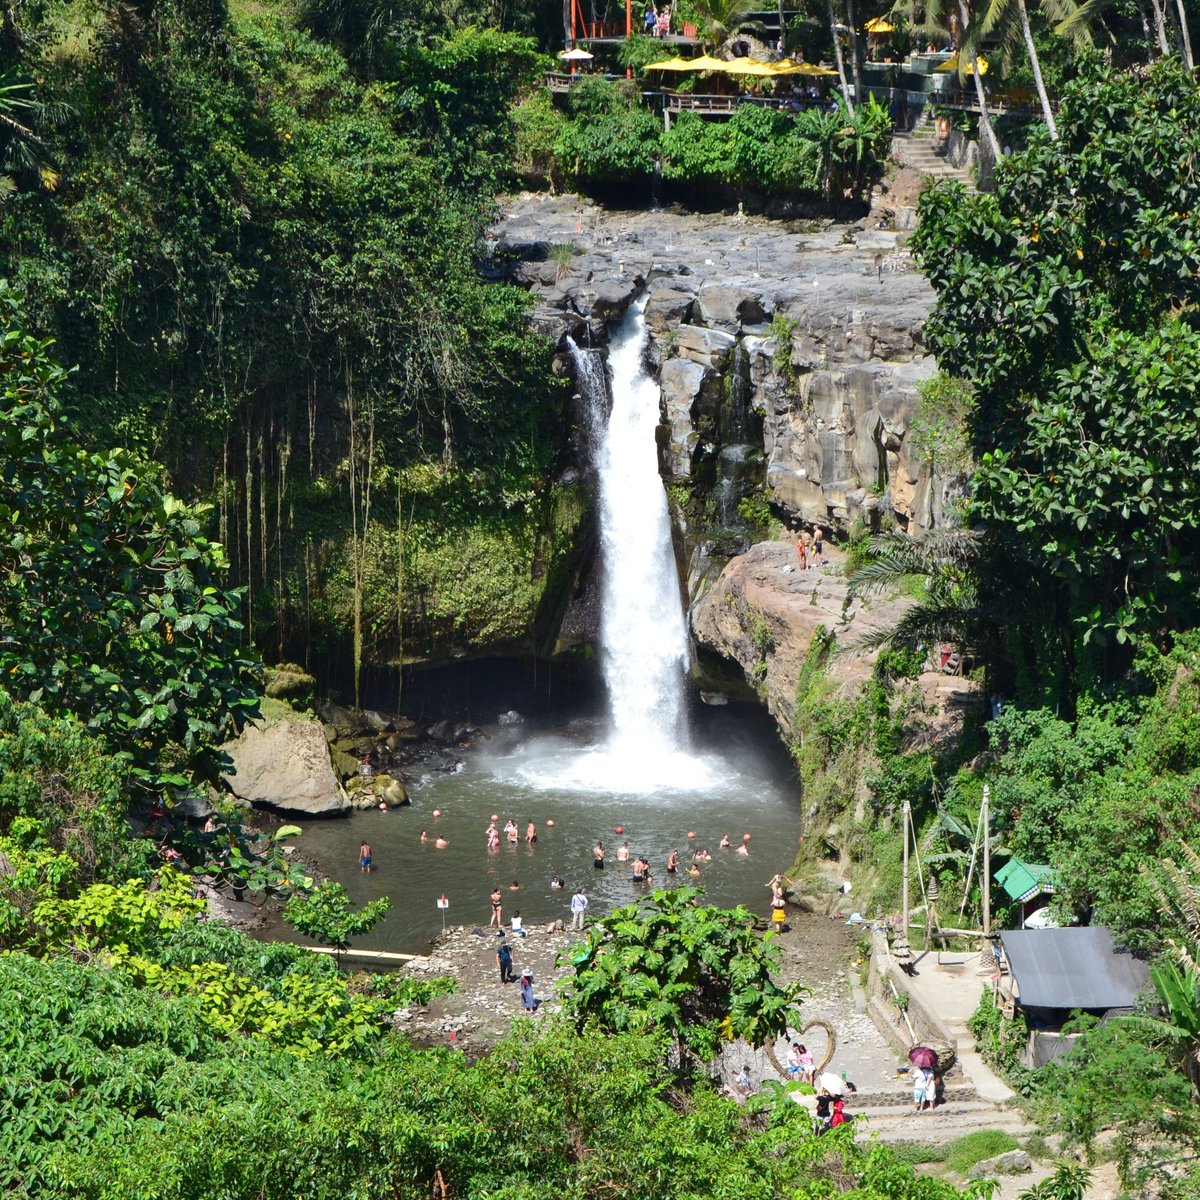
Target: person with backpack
504	961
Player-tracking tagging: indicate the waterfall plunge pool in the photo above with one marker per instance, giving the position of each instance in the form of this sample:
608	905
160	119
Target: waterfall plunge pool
737	779
648	767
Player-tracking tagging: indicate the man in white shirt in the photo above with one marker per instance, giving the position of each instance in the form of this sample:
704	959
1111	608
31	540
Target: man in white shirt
579	903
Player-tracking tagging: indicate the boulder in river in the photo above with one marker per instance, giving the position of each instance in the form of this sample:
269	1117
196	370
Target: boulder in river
283	764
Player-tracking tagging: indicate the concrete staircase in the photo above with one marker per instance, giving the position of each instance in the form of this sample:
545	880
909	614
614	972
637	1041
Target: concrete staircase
921	149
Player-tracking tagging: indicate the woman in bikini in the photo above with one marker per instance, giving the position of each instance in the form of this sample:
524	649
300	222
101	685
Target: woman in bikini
497	901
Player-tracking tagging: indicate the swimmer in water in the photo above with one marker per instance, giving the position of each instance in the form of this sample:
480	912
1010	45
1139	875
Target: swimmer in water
424	836
743	849
364	858
598	856
441	843
514	886
694	871
725	842
623	852
530	833
510	832
673	862
556	884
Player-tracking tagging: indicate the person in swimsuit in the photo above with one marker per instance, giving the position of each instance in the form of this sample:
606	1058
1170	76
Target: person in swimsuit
530	833
598	856
639	874
725	842
364	858
510	832
497	902
818	542
623	852
673	862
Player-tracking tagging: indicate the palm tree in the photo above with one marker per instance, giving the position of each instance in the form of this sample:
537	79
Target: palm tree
22	151
1178	983
719	19
837	58
954	608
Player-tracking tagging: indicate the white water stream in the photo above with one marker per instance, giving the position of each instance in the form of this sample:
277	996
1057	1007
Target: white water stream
644	642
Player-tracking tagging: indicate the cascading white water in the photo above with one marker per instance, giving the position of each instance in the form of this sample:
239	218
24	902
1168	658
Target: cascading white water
643	633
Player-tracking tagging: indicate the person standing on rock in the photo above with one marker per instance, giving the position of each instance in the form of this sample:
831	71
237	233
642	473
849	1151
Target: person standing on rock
818	546
579	906
364	858
497	902
801	551
504	961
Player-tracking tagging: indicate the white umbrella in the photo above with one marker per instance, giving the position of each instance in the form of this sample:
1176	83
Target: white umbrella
575	55
835	1085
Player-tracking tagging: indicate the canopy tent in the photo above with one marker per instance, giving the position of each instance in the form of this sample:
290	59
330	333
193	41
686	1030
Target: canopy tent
951	64
575	55
879	26
1072	968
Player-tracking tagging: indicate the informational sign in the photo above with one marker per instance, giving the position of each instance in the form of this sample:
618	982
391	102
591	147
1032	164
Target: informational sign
443	902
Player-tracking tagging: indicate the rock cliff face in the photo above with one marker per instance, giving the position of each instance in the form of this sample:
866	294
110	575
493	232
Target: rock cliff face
812	332
788	357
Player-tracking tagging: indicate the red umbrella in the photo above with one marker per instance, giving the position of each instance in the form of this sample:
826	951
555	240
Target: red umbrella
924	1057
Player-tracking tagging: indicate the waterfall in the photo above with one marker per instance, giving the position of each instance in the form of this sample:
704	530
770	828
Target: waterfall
644	646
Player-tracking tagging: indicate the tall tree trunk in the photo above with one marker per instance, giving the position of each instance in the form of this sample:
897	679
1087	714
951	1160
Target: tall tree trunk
1039	83
855	52
837	57
985	121
1185	36
1160	25
1146	29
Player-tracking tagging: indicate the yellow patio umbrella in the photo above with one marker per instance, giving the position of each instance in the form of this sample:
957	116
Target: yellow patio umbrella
951	64
748	66
705	62
879	26
801	68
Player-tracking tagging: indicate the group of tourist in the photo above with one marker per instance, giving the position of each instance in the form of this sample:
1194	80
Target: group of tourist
657	21
810	547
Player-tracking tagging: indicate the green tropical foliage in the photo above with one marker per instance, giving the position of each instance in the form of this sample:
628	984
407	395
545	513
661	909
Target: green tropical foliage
1062	299
328	914
114	606
699	974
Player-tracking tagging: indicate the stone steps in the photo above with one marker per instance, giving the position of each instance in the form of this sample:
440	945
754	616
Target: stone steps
948	1121
921	149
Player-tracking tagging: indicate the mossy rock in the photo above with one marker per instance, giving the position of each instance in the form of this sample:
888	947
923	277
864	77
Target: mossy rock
344	763
288	681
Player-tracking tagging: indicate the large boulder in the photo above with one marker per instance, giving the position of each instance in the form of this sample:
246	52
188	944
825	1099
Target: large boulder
283	764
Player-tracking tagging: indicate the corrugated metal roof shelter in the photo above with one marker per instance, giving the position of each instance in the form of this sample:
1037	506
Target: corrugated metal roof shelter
1072	968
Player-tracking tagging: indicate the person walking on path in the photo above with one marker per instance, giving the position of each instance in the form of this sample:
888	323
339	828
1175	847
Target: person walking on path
579	905
504	961
528	1000
497	903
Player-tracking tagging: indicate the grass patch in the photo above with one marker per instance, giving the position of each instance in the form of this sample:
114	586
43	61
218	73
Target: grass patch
964	1152
918	1153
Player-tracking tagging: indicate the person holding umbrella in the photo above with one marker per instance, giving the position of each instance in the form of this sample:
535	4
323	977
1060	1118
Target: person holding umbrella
925	1063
